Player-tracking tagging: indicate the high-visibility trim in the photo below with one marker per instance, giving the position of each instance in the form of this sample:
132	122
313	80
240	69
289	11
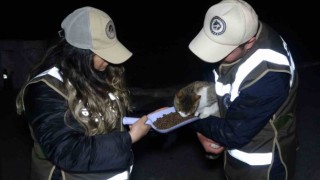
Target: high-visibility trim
122	176
252	158
53	72
292	66
244	69
221	89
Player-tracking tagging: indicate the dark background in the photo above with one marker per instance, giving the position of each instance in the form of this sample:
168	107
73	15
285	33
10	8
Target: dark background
158	32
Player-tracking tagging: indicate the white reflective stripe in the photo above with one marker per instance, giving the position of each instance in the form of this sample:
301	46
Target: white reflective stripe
251	63
122	176
244	69
221	89
252	158
53	72
292	66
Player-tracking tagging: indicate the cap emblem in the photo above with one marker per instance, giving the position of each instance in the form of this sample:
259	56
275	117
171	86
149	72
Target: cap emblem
217	26
110	30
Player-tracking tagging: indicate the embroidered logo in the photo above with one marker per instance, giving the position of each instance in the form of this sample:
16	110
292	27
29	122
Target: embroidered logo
217	26
110	30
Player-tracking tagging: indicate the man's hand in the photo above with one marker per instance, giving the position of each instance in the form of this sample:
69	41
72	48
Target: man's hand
209	145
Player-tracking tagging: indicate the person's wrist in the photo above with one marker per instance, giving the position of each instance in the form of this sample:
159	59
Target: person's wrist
133	139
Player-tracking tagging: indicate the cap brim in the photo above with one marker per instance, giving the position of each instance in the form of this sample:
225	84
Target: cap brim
116	54
208	50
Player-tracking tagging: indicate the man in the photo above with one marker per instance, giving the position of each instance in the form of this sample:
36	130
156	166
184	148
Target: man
256	84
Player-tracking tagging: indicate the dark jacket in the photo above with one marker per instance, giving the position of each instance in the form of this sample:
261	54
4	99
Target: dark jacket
67	151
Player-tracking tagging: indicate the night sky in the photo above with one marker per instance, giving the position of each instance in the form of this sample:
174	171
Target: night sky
158	32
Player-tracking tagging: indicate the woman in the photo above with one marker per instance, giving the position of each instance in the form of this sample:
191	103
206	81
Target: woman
74	101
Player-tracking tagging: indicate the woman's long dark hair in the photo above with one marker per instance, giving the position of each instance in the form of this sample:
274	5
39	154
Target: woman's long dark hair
88	89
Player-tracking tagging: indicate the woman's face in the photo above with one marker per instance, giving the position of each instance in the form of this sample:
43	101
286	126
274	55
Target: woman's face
99	64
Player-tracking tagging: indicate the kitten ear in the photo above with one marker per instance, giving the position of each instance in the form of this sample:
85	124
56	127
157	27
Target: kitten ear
196	97
180	94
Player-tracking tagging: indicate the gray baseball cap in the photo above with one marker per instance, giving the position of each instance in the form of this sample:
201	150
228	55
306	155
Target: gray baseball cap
91	28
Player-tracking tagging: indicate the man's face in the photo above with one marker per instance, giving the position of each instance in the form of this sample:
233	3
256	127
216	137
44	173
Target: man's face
236	54
239	52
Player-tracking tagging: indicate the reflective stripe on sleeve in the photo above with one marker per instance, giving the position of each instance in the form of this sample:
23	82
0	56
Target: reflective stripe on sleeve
122	176
252	158
244	69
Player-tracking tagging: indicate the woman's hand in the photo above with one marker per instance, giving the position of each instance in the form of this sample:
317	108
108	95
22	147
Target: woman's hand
139	129
209	145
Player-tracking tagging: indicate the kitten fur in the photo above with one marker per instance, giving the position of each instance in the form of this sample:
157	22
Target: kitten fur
197	98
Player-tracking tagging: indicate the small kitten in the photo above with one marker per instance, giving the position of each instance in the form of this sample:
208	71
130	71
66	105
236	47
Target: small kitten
197	98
